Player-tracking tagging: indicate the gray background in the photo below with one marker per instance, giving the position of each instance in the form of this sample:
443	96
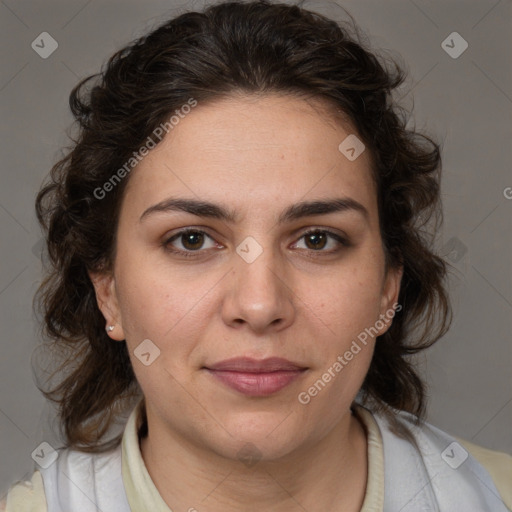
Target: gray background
466	103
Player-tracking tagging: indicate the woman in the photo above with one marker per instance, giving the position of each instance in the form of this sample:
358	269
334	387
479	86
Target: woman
239	262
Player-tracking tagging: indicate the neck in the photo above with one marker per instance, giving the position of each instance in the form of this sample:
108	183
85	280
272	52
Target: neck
328	475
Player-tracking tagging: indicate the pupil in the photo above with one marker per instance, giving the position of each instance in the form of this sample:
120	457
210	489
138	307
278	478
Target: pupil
310	239
193	240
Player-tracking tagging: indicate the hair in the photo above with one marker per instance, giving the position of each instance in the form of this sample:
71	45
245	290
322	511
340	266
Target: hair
231	48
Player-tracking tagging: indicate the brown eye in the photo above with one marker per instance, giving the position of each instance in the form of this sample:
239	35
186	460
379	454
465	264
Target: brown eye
316	240
192	240
189	241
322	241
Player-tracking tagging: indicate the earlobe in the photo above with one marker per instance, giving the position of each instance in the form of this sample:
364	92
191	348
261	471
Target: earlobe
391	289
106	298
390	294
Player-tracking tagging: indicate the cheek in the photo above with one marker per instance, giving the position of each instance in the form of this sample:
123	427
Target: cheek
170	310
349	301
348	309
151	300
157	309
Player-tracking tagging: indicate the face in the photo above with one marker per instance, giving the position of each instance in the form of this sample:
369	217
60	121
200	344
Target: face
287	262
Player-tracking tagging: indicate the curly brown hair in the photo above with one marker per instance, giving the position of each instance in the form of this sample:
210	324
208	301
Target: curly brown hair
255	47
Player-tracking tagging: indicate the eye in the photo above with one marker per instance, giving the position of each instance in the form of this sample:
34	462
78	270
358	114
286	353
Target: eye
189	241
318	239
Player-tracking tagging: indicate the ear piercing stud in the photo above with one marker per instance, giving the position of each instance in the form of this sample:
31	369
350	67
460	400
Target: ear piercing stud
110	328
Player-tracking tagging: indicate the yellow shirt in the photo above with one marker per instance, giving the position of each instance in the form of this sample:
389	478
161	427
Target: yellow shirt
143	495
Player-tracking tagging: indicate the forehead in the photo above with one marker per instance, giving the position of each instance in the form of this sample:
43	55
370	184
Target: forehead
253	150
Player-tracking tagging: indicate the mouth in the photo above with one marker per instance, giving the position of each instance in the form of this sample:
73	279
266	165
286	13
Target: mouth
254	377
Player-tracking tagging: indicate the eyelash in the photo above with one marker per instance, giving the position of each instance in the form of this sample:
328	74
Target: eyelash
191	254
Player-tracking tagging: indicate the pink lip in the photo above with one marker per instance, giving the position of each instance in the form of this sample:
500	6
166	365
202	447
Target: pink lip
256	378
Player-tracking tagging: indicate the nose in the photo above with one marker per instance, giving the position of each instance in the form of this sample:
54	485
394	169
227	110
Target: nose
258	295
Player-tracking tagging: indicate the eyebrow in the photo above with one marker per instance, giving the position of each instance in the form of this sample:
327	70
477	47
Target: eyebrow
293	212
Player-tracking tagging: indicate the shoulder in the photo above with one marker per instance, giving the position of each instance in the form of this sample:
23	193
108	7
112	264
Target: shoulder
42	491
443	463
498	465
26	496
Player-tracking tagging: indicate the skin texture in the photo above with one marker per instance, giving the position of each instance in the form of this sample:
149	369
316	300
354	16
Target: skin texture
256	156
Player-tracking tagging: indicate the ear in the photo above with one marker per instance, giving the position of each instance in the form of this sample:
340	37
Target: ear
389	297
106	297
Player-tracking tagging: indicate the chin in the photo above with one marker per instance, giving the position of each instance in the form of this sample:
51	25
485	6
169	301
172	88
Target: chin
264	436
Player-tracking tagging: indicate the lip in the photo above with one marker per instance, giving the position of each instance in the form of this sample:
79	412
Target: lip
249	365
254	377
